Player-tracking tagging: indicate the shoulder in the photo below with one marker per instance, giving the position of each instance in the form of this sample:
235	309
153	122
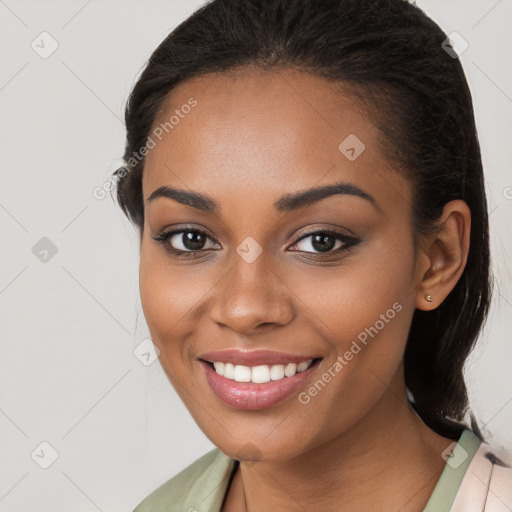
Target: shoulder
487	484
200	486
500	486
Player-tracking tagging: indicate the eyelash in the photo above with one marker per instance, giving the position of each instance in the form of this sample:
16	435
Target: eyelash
348	241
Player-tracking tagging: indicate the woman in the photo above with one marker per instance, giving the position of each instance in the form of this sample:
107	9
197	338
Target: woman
307	184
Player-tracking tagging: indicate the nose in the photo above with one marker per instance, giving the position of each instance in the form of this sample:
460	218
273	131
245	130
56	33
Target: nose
252	297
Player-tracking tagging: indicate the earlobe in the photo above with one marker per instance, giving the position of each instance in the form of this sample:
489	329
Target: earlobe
446	251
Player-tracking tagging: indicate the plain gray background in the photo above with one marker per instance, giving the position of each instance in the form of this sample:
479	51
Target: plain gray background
69	324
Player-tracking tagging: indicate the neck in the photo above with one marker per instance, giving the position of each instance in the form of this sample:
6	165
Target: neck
389	457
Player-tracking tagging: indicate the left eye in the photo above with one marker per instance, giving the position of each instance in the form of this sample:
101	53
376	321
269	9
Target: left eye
322	241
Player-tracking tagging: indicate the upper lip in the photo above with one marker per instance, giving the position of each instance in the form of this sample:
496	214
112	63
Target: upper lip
254	357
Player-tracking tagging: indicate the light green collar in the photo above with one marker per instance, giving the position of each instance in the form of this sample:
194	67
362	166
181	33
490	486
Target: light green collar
443	496
201	487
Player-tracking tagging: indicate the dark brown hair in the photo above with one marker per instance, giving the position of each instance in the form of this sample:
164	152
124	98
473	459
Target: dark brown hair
392	56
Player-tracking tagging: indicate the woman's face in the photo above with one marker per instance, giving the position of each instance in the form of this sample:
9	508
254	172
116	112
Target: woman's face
267	276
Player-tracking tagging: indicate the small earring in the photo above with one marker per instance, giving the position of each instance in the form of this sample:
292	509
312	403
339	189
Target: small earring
428	297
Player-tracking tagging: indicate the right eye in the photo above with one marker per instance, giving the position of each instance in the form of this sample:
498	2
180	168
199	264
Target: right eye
184	242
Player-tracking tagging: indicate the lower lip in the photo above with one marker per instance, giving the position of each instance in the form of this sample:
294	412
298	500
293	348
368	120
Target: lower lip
252	396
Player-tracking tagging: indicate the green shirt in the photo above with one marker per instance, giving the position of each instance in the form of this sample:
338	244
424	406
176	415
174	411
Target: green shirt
201	487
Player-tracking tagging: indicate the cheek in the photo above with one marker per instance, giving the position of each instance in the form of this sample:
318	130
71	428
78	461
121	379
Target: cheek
363	310
165	303
172	296
166	295
363	316
346	299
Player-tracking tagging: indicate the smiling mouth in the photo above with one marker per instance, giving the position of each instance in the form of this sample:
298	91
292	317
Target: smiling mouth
260	374
260	386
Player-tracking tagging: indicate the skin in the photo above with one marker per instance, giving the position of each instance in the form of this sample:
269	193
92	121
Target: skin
253	137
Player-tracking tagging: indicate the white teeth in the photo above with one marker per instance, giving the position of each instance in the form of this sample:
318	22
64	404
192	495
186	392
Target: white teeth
219	368
242	373
229	371
277	372
302	366
261	373
290	370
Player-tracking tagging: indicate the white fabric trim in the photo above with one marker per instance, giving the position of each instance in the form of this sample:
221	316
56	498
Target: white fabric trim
486	487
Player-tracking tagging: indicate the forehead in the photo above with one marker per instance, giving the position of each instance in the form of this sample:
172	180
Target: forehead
266	133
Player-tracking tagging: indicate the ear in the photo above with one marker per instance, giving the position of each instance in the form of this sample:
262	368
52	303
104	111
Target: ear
443	255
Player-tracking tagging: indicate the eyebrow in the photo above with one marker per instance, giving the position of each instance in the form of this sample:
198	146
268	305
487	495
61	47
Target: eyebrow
287	203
